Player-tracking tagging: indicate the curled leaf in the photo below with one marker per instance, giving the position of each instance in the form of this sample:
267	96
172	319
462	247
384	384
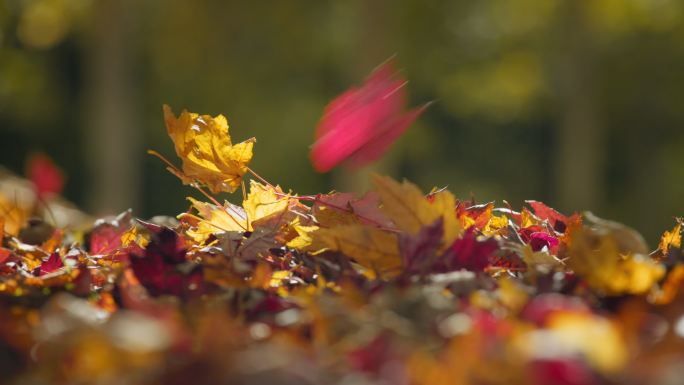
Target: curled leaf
203	144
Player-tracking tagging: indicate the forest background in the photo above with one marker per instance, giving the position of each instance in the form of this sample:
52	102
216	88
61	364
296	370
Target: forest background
579	103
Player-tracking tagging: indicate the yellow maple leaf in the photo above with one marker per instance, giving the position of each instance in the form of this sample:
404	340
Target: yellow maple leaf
215	219
371	247
671	239
203	144
408	208
444	205
404	203
495	225
263	202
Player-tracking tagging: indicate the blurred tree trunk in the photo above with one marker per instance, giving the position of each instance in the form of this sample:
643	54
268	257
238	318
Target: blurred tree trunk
374	48
580	155
112	137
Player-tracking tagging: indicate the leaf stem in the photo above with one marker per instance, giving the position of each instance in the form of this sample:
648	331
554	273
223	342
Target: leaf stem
260	178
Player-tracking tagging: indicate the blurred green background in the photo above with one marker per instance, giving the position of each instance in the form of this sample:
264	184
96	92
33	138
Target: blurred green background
579	103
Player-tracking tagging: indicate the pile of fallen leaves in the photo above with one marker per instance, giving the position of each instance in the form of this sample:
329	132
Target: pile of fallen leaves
391	287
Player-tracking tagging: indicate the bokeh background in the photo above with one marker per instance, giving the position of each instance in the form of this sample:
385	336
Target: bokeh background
579	103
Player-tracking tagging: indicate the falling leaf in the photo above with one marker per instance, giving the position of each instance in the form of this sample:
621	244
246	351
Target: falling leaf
361	124
203	144
45	175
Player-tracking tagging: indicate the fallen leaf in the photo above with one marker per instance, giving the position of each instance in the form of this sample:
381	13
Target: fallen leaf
371	247
215	219
470	253
597	257
418	251
671	239
405	204
265	204
53	263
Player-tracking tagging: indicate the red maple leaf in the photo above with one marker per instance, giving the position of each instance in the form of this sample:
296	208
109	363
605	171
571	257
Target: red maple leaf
361	124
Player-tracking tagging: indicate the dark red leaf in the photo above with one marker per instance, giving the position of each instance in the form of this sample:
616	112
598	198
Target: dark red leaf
162	267
53	263
105	238
417	251
469	253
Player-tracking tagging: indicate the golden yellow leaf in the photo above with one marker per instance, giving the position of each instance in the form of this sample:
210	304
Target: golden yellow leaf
495	225
371	247
262	202
444	204
404	204
132	236
671	239
408	208
203	144
304	240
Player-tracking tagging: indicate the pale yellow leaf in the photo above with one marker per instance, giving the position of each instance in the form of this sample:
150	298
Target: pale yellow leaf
408	208
215	219
371	247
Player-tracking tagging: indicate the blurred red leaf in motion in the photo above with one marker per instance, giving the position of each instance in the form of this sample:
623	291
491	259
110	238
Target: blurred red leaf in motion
45	175
361	124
